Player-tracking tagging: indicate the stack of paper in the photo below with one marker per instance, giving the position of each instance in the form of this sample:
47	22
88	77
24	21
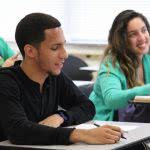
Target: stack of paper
141	99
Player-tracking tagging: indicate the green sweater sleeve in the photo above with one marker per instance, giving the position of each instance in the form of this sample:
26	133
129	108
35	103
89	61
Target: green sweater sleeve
113	94
5	50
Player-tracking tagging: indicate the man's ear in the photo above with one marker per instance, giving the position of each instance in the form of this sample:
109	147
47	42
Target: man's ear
30	51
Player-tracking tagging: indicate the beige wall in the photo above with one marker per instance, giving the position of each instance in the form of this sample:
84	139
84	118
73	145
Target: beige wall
91	53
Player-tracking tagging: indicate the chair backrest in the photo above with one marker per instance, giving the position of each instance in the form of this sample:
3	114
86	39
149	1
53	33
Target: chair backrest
72	69
86	89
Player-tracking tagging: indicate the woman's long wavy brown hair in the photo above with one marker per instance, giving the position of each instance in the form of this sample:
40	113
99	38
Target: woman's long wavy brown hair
118	46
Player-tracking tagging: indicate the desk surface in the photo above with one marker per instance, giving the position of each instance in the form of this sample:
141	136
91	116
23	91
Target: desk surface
79	83
141	132
90	68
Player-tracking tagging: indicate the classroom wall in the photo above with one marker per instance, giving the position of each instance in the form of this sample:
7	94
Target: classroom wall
91	53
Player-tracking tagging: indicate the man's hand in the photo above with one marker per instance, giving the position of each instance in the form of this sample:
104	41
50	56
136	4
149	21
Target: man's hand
10	61
52	121
102	135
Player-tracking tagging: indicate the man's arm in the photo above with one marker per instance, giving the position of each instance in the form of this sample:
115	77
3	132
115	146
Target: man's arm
78	107
101	135
19	130
53	121
15	124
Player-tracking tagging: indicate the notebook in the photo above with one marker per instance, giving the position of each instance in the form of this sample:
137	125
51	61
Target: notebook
141	99
134	134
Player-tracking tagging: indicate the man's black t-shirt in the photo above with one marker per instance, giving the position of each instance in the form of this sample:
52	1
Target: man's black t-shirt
22	106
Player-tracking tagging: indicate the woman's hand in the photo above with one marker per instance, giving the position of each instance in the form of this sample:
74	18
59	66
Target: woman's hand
10	61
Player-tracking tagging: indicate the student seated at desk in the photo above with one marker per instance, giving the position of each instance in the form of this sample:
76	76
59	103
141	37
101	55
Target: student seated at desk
35	87
7	57
125	68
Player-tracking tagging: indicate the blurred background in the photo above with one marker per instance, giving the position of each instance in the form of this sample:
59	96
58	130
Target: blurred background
86	22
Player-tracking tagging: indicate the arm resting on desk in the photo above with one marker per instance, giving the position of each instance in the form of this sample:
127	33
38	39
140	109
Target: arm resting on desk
101	135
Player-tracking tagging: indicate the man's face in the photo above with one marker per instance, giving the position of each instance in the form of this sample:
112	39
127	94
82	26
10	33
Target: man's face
51	54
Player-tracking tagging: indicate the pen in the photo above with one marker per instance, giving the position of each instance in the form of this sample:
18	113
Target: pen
97	125
123	137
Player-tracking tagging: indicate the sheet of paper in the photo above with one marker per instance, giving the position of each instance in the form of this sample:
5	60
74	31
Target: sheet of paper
142	99
123	127
91	126
85	126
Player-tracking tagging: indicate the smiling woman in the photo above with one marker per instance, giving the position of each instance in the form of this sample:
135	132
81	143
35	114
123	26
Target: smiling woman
138	36
124	69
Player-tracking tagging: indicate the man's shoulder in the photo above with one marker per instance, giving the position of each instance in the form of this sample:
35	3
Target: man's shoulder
8	73
62	79
9	82
7	70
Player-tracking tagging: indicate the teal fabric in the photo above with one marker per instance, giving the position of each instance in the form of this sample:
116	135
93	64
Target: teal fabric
110	89
5	51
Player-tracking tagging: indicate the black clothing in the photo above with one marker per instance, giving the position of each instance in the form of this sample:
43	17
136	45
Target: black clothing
22	106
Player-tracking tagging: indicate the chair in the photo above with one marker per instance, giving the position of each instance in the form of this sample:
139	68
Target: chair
86	89
72	69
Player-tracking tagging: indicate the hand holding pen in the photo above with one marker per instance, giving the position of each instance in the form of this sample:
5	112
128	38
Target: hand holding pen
122	136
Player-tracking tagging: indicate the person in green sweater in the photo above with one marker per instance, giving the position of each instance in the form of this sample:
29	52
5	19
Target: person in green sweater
125	69
7	55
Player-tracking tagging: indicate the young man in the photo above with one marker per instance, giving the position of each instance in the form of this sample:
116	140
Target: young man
32	90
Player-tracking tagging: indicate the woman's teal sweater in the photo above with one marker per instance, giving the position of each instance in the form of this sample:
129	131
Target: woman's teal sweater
110	89
5	51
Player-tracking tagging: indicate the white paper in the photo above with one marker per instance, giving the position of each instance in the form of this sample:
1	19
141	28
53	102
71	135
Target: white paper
85	126
123	127
142	97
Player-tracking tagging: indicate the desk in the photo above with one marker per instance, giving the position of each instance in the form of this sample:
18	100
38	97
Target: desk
90	68
80	83
141	132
